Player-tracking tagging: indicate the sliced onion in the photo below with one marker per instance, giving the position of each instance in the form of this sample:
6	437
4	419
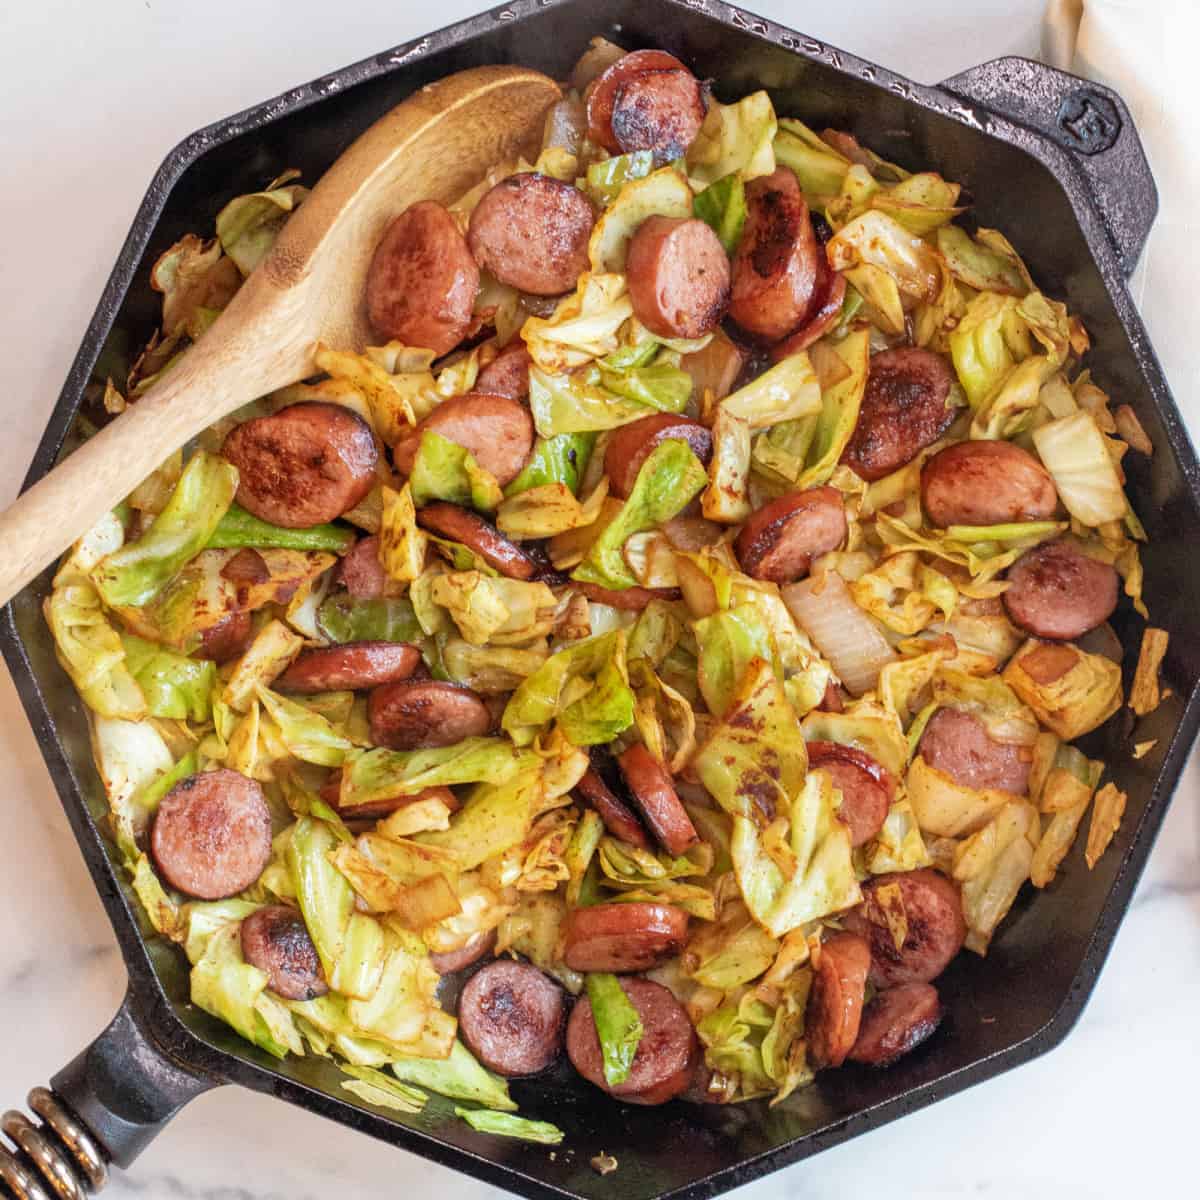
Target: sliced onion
840	630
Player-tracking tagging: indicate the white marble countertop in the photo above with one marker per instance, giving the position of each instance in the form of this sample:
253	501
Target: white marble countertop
91	98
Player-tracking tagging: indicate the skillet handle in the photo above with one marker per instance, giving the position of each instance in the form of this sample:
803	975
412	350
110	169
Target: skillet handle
1090	122
104	1107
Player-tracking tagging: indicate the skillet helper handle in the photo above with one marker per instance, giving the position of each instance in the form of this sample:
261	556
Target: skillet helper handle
104	1107
1089	121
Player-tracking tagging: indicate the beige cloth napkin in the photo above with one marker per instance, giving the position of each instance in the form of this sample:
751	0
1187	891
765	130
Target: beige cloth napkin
1147	51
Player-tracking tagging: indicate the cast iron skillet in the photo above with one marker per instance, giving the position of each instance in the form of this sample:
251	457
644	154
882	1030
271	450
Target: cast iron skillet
1051	160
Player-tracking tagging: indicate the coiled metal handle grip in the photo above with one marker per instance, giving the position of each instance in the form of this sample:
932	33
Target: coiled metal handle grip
57	1159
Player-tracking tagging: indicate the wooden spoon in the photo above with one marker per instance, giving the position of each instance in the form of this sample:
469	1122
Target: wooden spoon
309	288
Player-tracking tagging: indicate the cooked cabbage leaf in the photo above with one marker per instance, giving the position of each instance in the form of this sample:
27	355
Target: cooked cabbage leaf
735	139
444	470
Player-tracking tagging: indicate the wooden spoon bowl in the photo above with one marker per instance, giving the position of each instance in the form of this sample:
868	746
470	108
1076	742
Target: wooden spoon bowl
310	288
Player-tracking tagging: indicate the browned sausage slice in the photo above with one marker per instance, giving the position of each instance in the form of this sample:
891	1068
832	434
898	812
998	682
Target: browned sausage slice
227	639
416	714
496	430
836	1000
374	810
896	1021
478	945
630	446
624	937
276	940
361	572
511	1016
936	929
654	794
211	836
617	816
422	280
678	277
507	374
304	465
531	231
986	483
867	787
776	268
349	668
632	599
1056	591
826	311
903	411
781	539
601	93
958	743
659	111
458	524
666	1056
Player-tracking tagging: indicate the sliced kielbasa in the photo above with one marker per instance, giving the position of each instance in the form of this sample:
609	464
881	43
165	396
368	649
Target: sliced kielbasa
304	465
375	810
496	430
458	524
903	411
659	111
531	231
601	93
654	794
632	599
825	314
896	1021
417	714
935	927
678	277
624	937
360	572
666	1057
211	836
477	946
512	1016
422	280
779	541
957	742
507	374
1056	591
227	639
986	483
630	446
350	668
617	816
867	787
276	940
776	268
835	1001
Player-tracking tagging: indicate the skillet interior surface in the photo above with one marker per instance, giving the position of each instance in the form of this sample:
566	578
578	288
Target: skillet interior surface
1026	994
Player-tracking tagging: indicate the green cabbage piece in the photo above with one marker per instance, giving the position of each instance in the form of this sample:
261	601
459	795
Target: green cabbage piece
444	470
729	642
376	1088
605	179
577	403
668	480
175	686
722	207
655	633
136	573
618	1025
207	917
248	225
226	986
658	385
1075	453
754	760
307	735
359	967
980	266
786	392
560	459
461	1077
504	1124
732	1036
238	529
866	726
397	1012
734	138
496	817
822	878
381	774
729	952
326	899
385	619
